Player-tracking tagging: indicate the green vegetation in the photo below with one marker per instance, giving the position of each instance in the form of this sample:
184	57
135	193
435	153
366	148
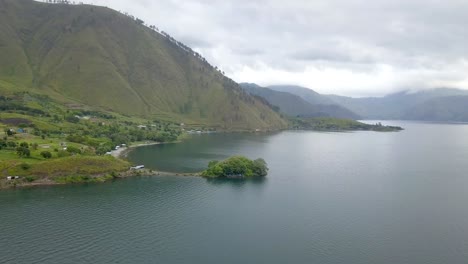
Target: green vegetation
335	124
39	143
74	165
97	59
237	166
83	179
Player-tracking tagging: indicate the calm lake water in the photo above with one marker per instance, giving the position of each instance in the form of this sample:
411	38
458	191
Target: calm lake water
361	197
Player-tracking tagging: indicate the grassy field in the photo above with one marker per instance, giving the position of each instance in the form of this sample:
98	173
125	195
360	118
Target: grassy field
77	169
69	166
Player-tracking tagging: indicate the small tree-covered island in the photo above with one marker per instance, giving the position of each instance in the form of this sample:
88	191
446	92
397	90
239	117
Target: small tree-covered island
236	167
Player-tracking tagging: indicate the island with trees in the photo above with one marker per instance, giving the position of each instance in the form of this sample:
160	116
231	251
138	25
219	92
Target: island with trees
236	167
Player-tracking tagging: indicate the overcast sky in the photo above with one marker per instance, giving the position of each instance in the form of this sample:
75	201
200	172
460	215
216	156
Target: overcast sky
348	47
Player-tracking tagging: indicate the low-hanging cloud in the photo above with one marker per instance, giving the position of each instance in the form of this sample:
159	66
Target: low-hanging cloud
349	47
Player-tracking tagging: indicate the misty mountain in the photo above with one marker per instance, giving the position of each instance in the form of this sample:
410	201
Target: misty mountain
420	105
449	108
294	105
307	94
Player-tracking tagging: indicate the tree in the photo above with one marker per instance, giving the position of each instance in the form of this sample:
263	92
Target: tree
46	154
259	167
34	146
212	163
101	150
9	132
72	119
23	152
73	150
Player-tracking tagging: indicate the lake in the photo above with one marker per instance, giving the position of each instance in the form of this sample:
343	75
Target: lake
357	197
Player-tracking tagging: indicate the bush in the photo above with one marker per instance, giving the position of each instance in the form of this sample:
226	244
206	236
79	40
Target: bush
101	150
30	178
34	146
62	153
72	119
46	154
25	166
76	138
73	150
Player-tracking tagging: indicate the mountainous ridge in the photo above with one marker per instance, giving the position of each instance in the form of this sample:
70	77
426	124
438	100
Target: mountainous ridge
438	104
403	105
447	108
307	94
102	58
294	105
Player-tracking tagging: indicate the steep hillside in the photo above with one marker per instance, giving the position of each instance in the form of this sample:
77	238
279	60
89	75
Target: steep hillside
101	58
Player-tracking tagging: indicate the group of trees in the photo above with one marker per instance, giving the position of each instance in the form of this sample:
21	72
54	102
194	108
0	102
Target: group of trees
23	150
122	134
237	166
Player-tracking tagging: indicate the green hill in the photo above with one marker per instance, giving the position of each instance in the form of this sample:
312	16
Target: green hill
107	60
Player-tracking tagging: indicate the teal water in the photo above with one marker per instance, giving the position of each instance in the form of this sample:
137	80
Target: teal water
361	197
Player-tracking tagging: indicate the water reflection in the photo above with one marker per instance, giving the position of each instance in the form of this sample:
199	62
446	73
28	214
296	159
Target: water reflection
237	182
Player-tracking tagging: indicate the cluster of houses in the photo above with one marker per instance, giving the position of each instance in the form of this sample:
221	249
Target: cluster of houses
18	130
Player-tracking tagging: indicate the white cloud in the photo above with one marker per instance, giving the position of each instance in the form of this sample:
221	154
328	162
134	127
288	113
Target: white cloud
350	47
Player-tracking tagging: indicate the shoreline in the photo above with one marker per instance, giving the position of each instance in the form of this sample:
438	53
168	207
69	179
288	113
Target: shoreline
98	178
120	153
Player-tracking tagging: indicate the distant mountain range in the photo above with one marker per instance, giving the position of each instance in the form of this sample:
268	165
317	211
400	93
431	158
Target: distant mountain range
303	102
441	104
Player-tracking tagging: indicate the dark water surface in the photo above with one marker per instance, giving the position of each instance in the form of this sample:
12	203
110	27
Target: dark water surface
362	197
